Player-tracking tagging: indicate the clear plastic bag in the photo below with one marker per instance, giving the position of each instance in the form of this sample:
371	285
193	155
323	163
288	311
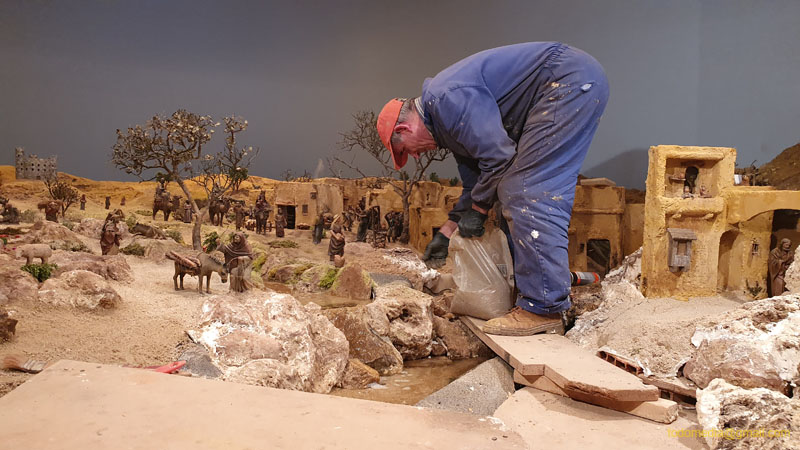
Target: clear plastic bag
483	274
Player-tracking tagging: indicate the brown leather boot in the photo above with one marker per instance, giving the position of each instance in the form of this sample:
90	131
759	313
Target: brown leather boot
519	322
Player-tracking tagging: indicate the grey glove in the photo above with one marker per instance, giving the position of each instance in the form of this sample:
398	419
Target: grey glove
471	224
436	252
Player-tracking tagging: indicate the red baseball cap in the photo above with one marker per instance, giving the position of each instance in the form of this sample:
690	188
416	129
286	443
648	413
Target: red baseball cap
386	122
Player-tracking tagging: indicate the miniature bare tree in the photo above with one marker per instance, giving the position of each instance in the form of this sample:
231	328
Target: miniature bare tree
226	170
364	136
288	175
168	144
61	192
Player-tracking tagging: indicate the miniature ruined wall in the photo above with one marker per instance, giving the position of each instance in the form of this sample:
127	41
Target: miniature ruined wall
596	214
666	208
32	167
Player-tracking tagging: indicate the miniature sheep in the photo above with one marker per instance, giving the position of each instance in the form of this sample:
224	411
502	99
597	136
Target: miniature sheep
32	251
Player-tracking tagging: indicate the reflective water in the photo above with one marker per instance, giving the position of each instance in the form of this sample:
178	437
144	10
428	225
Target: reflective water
418	380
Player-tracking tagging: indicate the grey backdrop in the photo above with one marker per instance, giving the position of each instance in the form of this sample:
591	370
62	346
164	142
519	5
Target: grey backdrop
717	72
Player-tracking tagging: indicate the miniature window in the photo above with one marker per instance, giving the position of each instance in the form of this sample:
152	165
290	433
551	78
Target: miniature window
680	248
305	210
313	195
755	248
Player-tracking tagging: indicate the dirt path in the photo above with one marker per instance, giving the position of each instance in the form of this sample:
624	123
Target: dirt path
144	330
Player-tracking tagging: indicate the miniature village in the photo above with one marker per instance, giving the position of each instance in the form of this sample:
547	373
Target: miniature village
317	285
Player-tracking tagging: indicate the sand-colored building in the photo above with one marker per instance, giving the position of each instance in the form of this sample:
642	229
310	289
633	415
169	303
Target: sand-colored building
596	228
712	238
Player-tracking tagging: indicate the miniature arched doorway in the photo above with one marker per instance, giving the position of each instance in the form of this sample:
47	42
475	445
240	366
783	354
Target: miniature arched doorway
726	243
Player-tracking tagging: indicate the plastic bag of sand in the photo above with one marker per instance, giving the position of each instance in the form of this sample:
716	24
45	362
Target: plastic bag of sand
483	274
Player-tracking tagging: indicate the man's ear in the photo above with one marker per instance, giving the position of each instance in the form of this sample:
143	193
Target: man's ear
402	128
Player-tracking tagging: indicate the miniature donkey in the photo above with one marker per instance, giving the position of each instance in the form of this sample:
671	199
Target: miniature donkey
206	265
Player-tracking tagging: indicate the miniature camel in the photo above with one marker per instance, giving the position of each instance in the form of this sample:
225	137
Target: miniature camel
33	251
201	266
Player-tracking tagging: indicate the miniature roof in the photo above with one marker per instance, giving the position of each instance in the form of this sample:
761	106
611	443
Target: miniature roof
681	234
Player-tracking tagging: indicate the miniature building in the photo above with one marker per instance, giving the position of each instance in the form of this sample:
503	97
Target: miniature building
596	228
696	245
32	167
304	201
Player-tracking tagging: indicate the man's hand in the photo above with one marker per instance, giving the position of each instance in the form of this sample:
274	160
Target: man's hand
471	223
436	252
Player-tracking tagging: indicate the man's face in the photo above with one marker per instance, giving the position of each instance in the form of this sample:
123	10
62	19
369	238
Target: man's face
786	246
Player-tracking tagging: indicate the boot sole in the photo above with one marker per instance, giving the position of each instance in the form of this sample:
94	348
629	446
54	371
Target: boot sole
554	328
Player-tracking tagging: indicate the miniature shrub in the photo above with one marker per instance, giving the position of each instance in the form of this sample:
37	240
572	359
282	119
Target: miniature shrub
73	246
144	212
327	281
258	263
283	244
9	231
68	224
211	242
131	221
135	249
40	271
28	216
302	268
175	235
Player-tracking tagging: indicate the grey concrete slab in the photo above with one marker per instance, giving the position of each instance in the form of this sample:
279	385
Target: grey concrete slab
480	391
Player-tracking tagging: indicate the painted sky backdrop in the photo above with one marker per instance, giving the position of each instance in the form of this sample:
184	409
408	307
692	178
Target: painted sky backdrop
712	72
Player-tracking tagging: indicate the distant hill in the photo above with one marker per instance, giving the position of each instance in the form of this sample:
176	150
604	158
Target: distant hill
783	172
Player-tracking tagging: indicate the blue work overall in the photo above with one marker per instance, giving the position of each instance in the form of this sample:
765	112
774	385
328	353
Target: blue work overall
519	121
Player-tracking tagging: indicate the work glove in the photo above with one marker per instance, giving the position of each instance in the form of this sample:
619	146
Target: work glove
436	252
471	224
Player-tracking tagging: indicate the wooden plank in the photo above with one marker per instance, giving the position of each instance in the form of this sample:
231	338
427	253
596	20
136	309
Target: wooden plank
548	421
574	369
74	405
661	410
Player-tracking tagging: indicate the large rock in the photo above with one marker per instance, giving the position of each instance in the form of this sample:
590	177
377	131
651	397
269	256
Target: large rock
367	329
757	345
352	282
459	341
288	273
792	277
16	284
198	362
309	280
358	375
46	232
79	289
397	261
92	228
410	316
269	339
110	267
737	418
